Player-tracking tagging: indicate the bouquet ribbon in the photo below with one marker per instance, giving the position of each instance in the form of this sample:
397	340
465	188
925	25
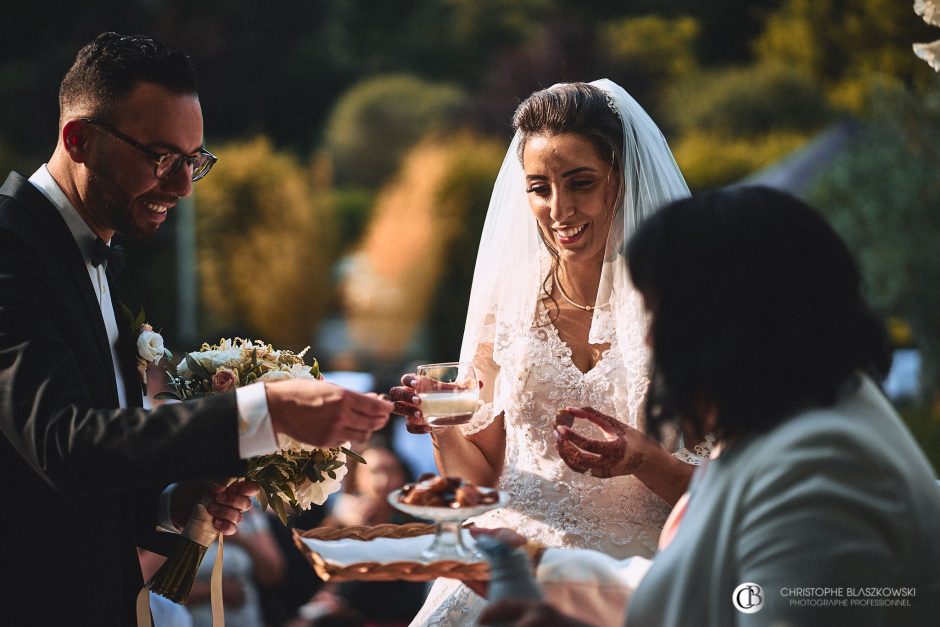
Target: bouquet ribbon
199	529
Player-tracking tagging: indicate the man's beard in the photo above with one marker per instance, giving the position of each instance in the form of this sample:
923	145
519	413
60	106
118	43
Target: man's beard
114	205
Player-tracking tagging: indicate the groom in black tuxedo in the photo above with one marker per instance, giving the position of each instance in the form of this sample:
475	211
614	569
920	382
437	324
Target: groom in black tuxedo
85	469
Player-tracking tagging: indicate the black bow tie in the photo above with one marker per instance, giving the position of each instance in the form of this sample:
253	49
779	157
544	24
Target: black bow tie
112	255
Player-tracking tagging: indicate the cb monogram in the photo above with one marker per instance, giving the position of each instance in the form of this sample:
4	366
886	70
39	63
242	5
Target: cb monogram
748	598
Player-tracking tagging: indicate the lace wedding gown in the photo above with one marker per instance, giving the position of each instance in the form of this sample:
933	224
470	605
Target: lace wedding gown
549	502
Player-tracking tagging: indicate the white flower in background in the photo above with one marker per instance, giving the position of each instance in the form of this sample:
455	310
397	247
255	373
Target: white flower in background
930	11
150	345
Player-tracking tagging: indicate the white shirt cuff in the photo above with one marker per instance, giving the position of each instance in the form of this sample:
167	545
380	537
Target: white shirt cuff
164	520
255	431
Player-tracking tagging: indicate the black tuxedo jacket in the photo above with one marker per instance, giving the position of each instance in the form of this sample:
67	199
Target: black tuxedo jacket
80	477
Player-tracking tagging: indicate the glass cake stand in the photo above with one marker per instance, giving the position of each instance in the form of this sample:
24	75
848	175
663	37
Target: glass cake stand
448	541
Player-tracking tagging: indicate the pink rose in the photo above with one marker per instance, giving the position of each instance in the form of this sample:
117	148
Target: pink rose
224	380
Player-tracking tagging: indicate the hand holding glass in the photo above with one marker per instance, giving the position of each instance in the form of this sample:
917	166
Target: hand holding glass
449	393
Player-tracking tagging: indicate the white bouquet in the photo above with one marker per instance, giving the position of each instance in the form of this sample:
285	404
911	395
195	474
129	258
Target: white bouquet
297	475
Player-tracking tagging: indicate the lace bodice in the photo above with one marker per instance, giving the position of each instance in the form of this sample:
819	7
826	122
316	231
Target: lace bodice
549	502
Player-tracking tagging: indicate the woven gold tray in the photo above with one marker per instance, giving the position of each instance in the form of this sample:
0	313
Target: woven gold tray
385	571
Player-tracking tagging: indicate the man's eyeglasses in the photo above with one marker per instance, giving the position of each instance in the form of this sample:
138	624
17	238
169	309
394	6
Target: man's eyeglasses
166	164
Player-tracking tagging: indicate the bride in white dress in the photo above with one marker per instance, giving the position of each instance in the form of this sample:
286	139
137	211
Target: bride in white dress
554	322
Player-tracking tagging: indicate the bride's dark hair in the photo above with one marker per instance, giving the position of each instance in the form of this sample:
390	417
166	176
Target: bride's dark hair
576	109
757	310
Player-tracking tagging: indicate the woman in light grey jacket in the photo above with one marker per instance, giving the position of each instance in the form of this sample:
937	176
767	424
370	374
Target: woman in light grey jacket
818	508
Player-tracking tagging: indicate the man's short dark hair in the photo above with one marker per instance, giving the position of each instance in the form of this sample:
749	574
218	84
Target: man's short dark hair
108	68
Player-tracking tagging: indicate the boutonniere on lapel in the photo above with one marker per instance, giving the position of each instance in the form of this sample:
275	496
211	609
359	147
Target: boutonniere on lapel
150	348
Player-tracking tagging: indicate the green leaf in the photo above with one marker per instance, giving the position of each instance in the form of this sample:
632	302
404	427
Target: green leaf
197	368
263	500
170	368
168	356
129	316
355	456
167	396
315	369
281	512
331	474
140	319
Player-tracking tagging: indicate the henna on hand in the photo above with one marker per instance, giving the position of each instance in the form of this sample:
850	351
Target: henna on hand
577	460
406	404
418	428
603	458
599	454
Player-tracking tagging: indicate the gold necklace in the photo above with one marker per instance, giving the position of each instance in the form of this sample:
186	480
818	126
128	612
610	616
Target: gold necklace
561	290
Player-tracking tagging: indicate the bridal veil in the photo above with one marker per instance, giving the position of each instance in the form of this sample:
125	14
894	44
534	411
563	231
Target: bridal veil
512	261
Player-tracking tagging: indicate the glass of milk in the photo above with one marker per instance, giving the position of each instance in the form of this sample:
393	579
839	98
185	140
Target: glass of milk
449	392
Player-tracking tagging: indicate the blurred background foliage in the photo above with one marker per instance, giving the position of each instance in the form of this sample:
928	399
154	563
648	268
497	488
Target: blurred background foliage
884	198
359	140
266	234
416	266
400	110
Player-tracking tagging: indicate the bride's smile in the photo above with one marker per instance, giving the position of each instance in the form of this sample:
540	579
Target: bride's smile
569	235
571	193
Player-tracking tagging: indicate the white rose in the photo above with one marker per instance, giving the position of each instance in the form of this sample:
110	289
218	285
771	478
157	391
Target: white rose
315	493
310	493
287	443
150	345
216	359
275	375
301	371
225	359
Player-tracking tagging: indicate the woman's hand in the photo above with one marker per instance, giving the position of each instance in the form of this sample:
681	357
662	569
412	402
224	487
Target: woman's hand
625	451
622	453
407	404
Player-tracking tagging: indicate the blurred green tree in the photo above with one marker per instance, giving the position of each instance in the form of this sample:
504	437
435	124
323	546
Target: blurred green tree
734	121
845	44
266	242
651	51
746	101
378	120
882	196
